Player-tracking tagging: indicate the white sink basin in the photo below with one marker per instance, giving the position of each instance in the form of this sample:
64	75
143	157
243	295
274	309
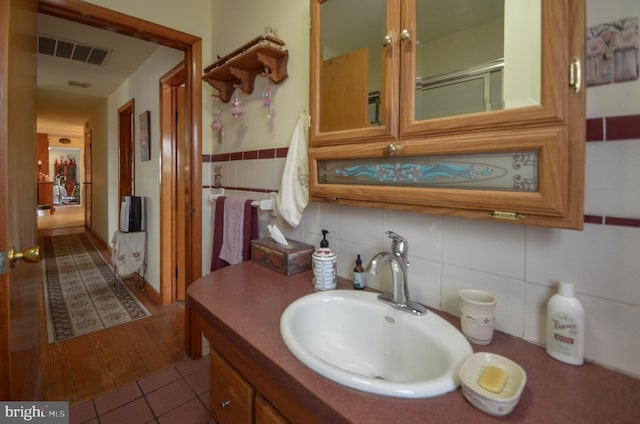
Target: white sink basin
355	340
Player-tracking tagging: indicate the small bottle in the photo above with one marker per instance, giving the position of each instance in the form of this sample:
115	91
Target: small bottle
325	266
565	326
359	276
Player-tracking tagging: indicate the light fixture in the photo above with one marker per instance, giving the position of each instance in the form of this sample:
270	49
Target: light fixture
64	140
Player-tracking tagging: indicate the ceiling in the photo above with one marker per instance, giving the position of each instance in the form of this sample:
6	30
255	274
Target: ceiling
62	109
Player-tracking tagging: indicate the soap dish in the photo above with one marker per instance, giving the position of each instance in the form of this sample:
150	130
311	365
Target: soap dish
507	396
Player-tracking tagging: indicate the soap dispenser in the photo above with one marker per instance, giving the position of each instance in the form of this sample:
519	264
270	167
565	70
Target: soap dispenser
324	264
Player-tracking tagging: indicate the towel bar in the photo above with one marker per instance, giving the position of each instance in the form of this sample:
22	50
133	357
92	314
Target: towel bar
264	205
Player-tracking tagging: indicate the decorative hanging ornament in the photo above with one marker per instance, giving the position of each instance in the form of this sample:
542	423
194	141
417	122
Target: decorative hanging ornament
236	110
216	125
266	94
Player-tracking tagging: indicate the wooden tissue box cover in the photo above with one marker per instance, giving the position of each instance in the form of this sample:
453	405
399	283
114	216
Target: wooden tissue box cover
287	260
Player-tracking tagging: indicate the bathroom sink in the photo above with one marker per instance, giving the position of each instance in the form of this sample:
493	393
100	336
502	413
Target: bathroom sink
355	340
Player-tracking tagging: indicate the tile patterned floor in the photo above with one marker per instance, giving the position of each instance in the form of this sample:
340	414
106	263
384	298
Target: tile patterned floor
179	394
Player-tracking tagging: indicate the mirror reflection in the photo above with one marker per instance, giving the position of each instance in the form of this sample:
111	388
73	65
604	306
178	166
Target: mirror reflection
470	56
351	34
476	56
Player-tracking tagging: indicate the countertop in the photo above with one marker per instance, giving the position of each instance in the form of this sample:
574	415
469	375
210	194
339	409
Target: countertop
244	302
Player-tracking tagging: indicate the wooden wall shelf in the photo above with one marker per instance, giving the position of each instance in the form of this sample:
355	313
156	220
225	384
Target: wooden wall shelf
240	67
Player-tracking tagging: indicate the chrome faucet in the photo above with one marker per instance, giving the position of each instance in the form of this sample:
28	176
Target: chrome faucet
398	260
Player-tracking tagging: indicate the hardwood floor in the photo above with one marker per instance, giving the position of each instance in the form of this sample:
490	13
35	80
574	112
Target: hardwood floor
88	366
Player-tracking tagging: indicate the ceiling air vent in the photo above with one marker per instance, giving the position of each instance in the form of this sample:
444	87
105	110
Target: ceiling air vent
71	50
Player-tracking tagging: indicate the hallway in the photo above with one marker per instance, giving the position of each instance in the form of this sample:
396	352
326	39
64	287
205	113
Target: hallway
102	363
63	217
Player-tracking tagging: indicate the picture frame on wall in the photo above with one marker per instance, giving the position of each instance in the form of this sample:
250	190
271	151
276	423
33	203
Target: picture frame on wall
145	131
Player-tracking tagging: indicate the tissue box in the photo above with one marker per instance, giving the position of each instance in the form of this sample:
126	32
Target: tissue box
287	260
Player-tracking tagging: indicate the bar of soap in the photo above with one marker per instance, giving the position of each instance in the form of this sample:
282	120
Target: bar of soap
493	379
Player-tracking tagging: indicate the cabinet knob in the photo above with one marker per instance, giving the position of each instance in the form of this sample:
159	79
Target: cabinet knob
391	149
386	41
224	404
404	35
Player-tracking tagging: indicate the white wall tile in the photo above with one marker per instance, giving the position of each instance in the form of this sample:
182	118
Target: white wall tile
266	175
611	175
245	176
279	164
601	261
535	312
612	333
207	173
362	225
508	292
207	231
423	232
425	278
484	246
228	172
319	216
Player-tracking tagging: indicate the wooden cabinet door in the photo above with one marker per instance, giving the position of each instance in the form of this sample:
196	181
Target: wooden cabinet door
266	413
231	395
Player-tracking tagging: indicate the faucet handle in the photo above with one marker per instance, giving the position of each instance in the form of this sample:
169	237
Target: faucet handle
399	244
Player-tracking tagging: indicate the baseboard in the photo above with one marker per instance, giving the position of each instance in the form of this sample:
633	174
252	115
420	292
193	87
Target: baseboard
99	240
153	294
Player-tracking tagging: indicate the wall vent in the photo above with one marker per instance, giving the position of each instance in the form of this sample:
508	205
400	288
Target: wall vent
70	50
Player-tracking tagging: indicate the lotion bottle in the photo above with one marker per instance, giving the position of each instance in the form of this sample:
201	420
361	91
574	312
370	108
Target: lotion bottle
565	326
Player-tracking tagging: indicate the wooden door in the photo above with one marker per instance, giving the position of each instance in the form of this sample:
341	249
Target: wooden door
178	100
126	150
345	80
19	285
86	196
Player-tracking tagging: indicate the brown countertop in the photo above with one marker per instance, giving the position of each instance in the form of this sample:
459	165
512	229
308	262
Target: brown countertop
244	302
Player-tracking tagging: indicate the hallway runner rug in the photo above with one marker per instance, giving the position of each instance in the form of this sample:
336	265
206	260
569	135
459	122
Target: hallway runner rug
79	290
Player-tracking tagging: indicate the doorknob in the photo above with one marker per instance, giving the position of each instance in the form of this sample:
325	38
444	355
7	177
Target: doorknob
31	254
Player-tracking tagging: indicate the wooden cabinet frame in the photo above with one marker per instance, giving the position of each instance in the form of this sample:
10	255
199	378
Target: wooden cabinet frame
555	129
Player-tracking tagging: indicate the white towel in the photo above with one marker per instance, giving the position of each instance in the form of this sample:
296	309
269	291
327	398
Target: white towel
293	196
233	230
128	252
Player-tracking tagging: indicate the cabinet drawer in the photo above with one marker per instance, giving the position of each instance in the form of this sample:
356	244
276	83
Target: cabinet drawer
266	413
231	395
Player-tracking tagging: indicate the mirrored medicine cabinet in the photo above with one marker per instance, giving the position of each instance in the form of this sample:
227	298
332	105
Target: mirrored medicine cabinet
461	107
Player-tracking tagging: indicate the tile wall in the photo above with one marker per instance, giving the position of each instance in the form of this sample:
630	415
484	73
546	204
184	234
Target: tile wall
519	264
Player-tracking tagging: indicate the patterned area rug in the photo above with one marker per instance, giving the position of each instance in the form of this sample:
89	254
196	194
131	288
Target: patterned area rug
79	293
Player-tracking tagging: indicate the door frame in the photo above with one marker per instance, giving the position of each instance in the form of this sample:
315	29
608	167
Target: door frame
86	193
96	16
126	151
173	198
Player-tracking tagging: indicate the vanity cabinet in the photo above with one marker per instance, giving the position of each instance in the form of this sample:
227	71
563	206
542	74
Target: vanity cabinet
484	122
241	392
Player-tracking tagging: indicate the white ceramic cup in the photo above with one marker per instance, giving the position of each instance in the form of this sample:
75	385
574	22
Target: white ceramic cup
477	315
